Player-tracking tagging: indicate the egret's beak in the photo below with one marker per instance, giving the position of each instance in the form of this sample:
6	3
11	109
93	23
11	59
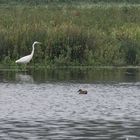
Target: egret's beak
39	43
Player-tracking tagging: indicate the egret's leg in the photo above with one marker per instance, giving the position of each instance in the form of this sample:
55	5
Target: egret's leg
25	67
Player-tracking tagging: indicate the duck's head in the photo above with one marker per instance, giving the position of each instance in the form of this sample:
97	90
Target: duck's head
79	90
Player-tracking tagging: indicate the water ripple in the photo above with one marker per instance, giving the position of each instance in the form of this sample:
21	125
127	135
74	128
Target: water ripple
55	111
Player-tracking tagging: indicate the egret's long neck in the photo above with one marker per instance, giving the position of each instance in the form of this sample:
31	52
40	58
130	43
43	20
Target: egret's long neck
32	53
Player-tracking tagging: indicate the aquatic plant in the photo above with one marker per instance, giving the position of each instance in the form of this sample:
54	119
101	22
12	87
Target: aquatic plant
99	35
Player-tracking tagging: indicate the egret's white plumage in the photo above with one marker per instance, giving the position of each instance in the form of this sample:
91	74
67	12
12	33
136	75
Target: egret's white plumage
27	59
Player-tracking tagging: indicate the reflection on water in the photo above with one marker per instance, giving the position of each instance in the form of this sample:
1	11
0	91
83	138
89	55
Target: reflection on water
24	78
82	75
44	104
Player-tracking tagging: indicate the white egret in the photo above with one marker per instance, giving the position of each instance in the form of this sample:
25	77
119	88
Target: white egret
26	59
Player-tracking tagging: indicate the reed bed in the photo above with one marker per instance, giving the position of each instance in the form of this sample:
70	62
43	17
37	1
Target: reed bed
71	35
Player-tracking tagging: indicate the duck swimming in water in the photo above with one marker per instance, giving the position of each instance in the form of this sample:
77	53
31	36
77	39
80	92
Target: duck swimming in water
82	91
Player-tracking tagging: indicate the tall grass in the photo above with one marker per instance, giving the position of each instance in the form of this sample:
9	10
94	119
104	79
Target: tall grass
99	35
40	2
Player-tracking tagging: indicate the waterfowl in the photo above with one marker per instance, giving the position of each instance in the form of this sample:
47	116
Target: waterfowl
82	91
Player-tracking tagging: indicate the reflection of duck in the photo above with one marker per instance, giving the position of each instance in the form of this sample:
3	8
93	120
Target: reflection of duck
82	91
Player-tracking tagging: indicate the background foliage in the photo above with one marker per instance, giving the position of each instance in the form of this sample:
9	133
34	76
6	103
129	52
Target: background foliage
102	34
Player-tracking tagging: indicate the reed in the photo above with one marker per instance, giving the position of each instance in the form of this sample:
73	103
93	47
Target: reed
70	35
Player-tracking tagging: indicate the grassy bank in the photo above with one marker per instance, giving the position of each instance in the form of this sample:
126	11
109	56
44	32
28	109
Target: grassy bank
41	2
70	35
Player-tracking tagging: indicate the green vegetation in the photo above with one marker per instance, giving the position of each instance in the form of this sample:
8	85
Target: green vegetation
71	35
40	2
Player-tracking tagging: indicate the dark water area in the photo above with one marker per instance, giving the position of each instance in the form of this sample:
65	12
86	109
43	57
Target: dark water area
76	75
43	104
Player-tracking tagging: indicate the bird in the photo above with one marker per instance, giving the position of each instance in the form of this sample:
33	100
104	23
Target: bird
26	59
82	91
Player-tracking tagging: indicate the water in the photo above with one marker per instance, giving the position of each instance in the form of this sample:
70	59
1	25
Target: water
45	105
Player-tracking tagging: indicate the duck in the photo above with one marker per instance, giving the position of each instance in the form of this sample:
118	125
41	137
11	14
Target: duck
82	91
